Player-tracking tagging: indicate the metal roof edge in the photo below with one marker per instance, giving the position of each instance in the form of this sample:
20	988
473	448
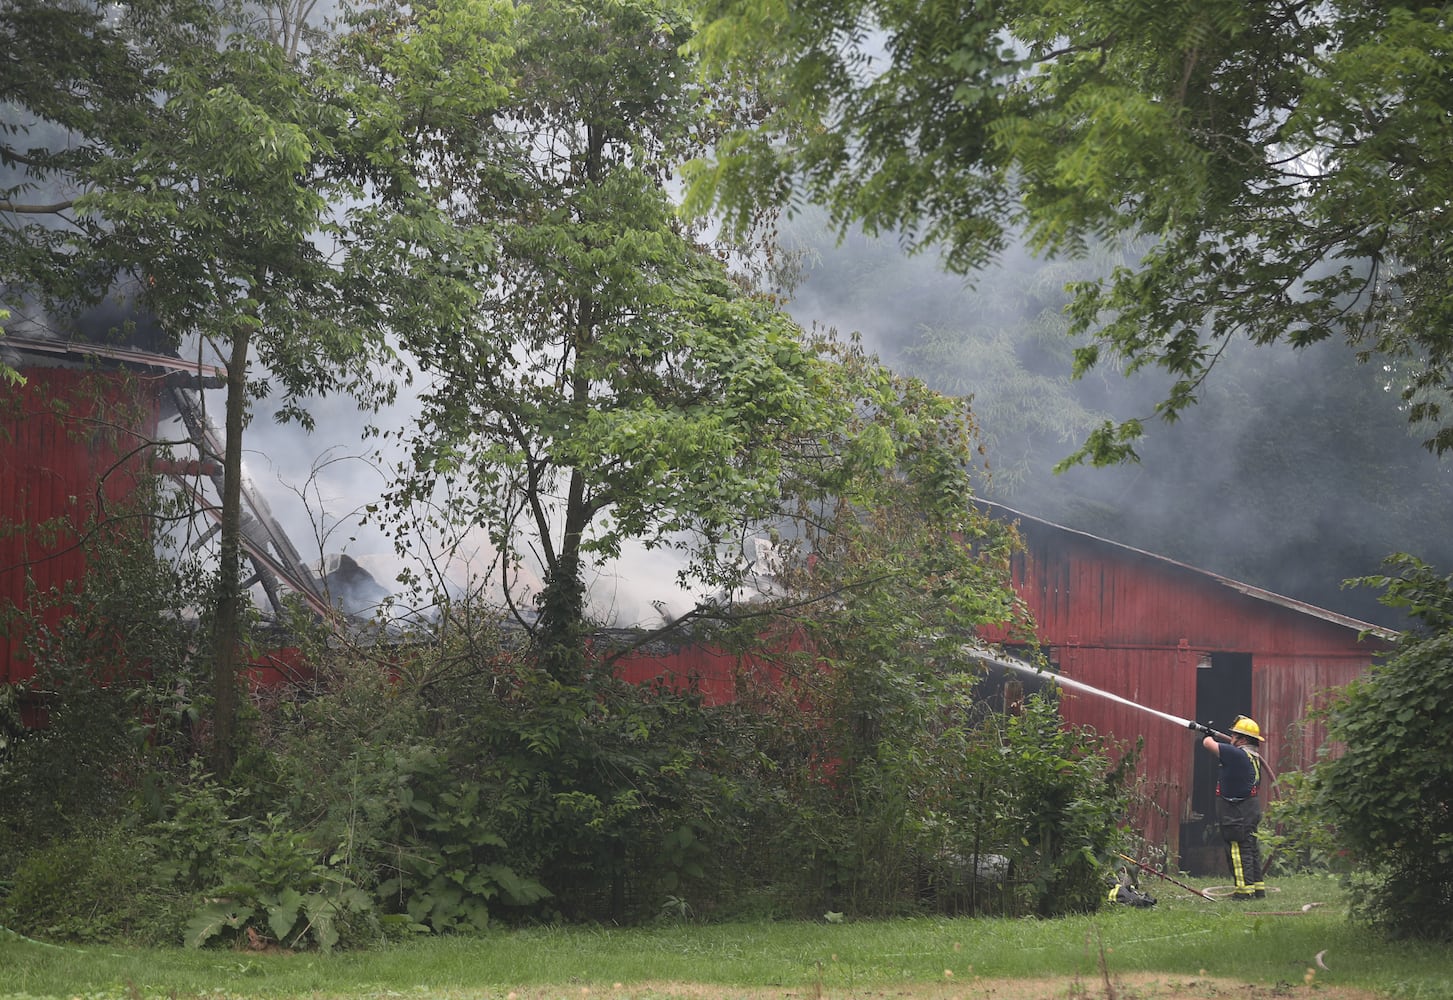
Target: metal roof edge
129	355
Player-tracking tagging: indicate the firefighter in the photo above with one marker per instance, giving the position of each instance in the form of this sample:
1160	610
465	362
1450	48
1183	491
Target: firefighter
1238	803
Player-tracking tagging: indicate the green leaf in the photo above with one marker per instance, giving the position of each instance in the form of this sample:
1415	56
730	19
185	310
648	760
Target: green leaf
322	920
212	918
283	914
518	891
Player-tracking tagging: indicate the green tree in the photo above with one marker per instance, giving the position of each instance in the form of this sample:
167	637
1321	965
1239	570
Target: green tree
220	201
617	383
1289	164
248	193
892	568
876	584
1387	794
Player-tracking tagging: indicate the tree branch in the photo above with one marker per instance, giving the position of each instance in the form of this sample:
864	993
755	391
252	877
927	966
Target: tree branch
21	208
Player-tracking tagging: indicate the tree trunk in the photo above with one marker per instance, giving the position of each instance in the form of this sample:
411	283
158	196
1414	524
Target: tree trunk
562	605
226	635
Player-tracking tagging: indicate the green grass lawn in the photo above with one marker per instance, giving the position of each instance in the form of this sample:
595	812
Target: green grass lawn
1270	942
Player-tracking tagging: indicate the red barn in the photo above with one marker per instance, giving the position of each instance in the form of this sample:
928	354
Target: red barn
1191	644
73	446
1160	633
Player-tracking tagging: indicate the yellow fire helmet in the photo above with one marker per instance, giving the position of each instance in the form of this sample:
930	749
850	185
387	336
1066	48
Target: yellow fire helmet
1246	727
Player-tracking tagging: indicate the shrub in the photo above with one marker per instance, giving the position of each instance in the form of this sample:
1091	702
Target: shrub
1296	837
279	890
113	665
101	885
1050	799
1387	796
79	769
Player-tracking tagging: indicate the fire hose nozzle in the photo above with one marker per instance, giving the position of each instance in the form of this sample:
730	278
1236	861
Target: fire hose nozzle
1198	727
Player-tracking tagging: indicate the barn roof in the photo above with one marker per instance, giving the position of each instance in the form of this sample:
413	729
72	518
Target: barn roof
128	355
1257	593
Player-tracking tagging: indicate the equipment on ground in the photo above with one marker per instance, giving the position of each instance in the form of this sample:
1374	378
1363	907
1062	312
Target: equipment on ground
1160	874
1125	891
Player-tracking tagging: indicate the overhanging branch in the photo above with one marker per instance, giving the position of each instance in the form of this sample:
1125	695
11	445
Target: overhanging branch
21	208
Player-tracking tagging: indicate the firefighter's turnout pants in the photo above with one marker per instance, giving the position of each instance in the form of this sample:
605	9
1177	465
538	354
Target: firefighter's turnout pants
1239	819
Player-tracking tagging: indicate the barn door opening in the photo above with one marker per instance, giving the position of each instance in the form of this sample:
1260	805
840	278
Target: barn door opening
1223	691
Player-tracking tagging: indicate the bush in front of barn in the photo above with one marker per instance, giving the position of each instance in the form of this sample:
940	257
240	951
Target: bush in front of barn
1388	797
455	796
446	784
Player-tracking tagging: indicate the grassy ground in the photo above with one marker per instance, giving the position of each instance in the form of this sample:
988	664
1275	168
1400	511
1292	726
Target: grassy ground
1296	943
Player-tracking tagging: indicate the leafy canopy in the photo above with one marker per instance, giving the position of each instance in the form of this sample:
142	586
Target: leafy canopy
616	382
1289	163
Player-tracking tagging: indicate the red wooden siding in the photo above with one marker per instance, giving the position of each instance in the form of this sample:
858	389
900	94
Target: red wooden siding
720	677
67	434
713	672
